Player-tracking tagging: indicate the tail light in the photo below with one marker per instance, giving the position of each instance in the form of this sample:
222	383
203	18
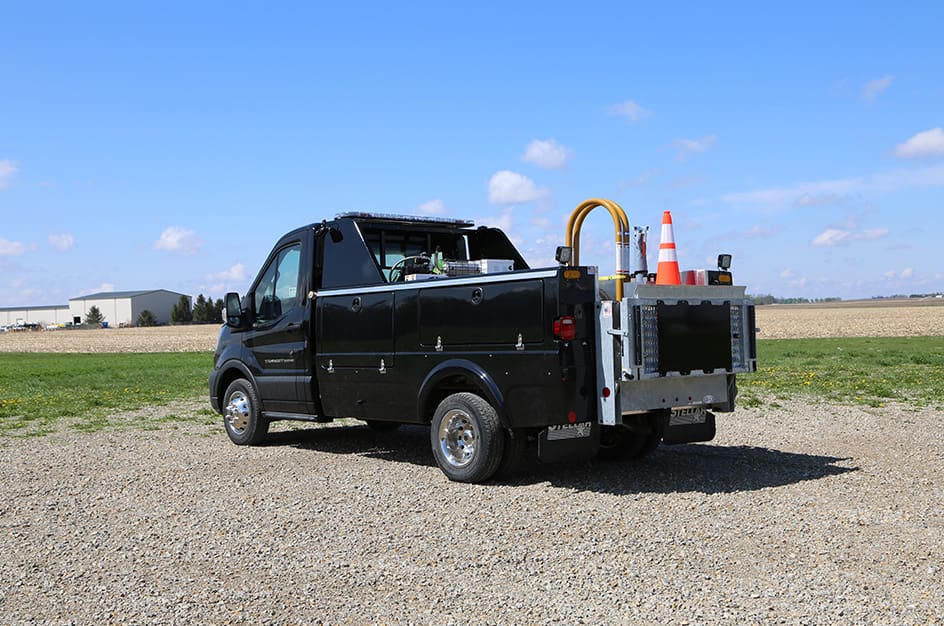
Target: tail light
565	328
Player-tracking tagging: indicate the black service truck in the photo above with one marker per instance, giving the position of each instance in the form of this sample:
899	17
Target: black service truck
412	320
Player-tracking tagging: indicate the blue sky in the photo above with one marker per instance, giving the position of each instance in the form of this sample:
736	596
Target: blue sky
168	146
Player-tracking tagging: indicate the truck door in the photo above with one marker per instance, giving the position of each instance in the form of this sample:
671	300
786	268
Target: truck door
354	326
277	341
356	352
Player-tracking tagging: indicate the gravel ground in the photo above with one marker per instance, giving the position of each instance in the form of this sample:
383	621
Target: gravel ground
798	514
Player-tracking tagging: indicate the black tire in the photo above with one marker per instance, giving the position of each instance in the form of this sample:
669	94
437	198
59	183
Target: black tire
516	450
242	414
382	427
467	438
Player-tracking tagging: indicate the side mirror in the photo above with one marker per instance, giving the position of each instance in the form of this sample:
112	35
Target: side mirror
234	312
724	261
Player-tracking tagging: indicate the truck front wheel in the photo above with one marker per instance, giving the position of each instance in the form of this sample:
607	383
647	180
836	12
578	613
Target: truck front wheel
467	438
242	414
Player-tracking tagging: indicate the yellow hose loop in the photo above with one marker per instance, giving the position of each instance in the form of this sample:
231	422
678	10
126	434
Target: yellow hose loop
620	223
580	213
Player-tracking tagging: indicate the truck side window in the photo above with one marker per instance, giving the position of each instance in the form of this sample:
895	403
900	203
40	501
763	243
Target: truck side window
277	291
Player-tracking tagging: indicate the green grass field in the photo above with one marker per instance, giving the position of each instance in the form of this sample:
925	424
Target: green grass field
863	370
38	391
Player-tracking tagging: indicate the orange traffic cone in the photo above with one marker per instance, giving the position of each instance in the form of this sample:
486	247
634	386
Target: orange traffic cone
668	271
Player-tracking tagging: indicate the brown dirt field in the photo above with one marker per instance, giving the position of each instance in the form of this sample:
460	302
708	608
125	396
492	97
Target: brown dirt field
863	318
879	318
156	339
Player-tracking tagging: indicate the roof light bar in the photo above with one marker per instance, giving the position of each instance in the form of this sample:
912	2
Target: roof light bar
386	217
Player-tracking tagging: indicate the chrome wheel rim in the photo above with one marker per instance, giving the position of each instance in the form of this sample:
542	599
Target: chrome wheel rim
237	411
458	438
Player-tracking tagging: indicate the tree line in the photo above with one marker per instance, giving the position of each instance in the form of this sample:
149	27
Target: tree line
769	299
204	311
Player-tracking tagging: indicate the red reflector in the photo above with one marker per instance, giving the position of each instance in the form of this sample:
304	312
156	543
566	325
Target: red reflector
606	392
565	328
572	417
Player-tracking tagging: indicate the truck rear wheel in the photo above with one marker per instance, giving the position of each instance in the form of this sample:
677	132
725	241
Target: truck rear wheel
467	438
242	414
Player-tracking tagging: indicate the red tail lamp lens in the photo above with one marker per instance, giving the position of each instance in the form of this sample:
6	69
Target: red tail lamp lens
565	328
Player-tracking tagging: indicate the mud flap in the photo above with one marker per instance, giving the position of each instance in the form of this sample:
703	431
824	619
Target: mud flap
568	442
689	431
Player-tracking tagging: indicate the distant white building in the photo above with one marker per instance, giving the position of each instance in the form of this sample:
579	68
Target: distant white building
122	308
42	315
119	308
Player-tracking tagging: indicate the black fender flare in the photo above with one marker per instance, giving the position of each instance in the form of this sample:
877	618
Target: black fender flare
481	383
224	373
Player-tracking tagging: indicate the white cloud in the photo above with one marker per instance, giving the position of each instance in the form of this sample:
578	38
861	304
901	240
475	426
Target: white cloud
791	279
231	279
179	240
433	207
837	236
927	143
546	153
8	170
62	241
873	88
759	231
15	248
542	222
905	274
12	248
777	198
507	187
630	110
103	288
688	147
824	199
235	273
503	221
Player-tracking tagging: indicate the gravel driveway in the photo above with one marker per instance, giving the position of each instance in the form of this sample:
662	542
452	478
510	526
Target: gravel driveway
796	515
